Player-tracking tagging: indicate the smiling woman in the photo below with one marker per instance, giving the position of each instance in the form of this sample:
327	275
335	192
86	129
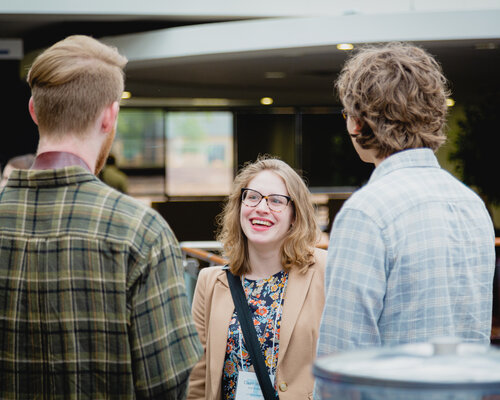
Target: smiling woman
269	233
265	224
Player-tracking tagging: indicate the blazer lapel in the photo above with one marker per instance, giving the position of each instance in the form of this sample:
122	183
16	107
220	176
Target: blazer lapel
220	315
295	295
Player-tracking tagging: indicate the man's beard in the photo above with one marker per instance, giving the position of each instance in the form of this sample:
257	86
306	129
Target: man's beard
104	152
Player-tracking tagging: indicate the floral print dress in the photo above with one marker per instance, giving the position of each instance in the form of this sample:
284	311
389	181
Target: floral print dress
265	298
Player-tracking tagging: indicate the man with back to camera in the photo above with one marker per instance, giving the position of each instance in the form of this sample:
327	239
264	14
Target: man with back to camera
411	254
93	303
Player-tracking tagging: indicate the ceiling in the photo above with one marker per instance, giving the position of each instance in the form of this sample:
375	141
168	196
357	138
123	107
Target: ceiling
292	76
306	79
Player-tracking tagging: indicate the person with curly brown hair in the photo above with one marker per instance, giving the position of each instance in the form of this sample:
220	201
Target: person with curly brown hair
411	254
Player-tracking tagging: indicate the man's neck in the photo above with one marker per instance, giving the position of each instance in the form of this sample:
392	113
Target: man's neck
71	144
58	159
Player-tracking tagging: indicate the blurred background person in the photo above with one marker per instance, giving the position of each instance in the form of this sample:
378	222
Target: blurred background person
24	161
113	176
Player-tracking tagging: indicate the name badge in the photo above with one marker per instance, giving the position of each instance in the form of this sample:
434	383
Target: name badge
248	386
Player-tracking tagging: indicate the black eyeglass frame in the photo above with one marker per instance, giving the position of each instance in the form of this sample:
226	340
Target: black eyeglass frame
288	199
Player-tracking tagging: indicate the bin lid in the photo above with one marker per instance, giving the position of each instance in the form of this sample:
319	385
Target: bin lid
444	362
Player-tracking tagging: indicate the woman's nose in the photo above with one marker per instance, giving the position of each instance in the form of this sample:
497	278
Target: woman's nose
262	206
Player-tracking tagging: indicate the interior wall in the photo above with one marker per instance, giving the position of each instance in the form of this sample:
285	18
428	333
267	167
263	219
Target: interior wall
329	159
272	134
20	135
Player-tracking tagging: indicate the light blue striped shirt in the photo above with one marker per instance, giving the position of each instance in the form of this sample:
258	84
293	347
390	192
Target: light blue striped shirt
411	257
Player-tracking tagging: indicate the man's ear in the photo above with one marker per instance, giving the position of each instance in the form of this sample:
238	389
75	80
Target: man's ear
31	108
358	126
109	116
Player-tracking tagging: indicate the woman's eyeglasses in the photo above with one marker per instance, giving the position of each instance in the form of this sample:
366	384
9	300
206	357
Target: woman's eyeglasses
275	202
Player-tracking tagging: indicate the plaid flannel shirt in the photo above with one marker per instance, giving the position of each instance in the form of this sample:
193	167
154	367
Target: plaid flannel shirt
411	257
92	295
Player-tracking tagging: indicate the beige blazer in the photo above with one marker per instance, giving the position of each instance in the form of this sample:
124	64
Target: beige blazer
303	305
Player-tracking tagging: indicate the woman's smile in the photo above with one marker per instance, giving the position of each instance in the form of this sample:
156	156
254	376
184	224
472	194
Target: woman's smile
260	224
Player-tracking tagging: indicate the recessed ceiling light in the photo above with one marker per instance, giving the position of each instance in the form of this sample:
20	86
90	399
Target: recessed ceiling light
345	46
210	102
275	75
126	95
266	101
486	46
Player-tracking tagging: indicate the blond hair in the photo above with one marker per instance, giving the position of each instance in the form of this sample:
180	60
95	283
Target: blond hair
73	81
298	247
398	92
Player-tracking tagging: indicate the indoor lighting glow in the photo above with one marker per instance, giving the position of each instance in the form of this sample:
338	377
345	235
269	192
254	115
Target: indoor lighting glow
450	102
210	102
275	75
266	101
126	95
486	46
345	46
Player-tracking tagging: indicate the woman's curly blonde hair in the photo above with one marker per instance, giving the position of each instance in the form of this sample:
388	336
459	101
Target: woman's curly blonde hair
398	92
298	248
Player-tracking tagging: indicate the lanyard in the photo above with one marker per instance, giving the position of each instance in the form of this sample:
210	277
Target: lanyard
279	312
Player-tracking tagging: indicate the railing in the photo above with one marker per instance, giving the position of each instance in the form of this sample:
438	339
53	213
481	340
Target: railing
203	255
197	251
194	252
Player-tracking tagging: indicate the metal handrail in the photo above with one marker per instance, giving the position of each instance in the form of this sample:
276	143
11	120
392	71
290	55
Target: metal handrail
214	259
203	255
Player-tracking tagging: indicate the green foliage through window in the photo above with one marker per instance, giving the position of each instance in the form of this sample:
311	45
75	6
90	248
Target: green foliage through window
477	147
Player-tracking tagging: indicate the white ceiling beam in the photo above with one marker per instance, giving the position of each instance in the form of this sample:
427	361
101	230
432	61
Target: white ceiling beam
302	34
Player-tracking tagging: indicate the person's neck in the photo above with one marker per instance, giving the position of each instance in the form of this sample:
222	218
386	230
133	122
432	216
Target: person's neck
79	148
58	159
377	161
263	263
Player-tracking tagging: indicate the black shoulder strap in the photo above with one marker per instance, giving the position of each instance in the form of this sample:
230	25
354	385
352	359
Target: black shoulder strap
250	335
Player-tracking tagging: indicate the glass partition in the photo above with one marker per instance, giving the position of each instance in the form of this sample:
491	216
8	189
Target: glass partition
199	153
139	141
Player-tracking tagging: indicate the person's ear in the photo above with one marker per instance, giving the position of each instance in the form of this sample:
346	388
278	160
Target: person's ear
31	108
358	126
109	117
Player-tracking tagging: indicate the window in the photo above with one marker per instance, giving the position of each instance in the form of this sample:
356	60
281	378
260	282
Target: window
139	149
199	153
178	153
139	141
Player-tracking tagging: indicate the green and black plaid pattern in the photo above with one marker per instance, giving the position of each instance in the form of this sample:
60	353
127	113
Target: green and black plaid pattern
92	296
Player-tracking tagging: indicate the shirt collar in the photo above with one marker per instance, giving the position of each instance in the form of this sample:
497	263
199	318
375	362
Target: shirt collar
422	157
38	178
58	159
